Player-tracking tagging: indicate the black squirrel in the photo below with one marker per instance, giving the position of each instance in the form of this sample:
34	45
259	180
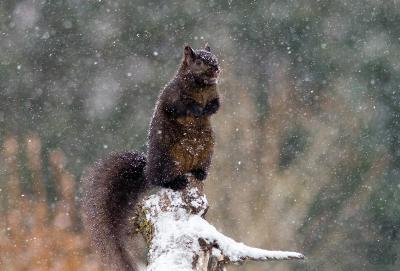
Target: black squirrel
180	143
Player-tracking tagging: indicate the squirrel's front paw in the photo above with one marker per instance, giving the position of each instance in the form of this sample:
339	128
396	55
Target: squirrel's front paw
211	107
195	109
200	174
178	183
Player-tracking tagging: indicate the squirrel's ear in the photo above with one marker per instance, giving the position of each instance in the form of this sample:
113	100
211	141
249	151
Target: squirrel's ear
189	54
207	48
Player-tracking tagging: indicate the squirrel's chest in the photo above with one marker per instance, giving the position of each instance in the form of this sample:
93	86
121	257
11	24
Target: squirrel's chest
192	148
203	97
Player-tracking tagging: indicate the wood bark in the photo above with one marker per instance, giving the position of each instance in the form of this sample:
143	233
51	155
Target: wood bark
179	238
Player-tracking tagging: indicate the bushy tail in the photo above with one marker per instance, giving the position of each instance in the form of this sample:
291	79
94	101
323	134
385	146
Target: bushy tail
110	191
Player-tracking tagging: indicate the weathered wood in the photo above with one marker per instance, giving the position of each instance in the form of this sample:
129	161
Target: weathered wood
179	238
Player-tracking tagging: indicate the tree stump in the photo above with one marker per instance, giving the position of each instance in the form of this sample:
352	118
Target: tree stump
179	237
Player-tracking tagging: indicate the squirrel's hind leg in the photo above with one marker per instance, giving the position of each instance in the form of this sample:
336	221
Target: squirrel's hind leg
162	171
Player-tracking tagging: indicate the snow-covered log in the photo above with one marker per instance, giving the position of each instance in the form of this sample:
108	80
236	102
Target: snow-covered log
179	238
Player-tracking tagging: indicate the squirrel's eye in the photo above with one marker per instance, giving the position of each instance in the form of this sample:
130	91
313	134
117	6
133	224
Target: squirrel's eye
198	62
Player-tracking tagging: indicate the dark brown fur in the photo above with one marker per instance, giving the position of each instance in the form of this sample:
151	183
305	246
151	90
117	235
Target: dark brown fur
111	190
181	139
180	142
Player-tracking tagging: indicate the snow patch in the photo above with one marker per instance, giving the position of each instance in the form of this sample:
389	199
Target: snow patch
177	231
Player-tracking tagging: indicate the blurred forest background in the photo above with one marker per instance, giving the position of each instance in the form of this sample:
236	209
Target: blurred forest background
308	137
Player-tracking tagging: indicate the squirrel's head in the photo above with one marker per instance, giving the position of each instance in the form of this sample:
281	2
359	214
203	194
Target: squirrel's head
202	65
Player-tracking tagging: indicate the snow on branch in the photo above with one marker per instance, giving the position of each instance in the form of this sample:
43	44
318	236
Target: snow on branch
179	238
